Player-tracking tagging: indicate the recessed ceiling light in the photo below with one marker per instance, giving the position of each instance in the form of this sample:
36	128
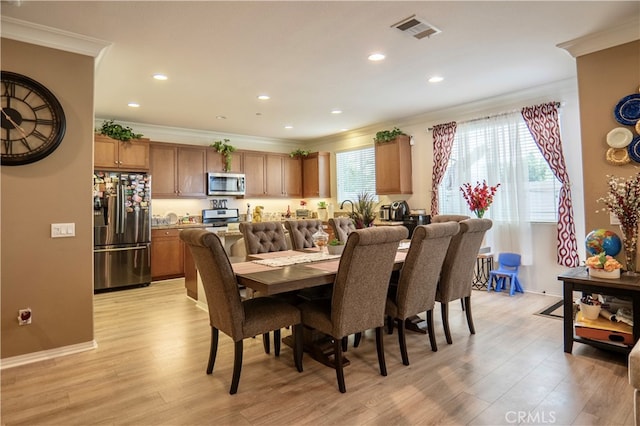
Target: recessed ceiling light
336	111
221	117
288	127
436	79
376	57
134	105
343	130
264	97
160	77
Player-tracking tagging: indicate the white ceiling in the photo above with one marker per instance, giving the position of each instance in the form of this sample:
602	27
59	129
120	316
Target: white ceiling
311	57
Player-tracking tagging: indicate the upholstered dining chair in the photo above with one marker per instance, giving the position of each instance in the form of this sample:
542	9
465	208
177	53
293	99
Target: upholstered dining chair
359	291
415	291
237	318
301	232
448	218
342	227
263	237
456	276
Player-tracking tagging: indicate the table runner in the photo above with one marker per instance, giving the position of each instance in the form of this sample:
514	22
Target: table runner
296	259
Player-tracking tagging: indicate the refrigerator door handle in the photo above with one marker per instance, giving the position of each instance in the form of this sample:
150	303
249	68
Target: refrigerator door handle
119	249
122	207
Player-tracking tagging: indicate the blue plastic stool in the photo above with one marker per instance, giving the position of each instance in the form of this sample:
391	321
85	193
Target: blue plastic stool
508	265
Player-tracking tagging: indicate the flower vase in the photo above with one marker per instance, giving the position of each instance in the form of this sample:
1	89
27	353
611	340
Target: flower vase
479	213
630	244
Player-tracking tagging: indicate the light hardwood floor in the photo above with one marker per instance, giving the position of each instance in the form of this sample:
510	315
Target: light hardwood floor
149	369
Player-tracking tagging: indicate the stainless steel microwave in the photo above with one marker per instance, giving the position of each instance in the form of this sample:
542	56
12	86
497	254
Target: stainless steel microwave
225	184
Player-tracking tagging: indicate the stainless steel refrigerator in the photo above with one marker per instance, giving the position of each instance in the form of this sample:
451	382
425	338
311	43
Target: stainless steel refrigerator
121	230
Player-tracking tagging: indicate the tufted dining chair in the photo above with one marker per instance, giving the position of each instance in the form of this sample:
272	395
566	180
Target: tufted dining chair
415	291
359	291
342	227
448	218
456	276
263	237
239	319
301	232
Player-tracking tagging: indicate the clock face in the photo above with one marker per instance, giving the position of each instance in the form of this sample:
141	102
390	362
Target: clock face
32	120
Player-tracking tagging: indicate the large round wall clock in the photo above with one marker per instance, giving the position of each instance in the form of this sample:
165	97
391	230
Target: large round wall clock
31	118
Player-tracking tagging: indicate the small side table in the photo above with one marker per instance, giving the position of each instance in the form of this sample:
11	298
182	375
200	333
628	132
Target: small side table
484	264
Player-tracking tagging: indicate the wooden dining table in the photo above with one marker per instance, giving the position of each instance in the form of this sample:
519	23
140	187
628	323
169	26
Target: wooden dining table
271	274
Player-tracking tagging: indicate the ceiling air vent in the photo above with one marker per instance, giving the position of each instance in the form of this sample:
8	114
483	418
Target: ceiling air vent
416	27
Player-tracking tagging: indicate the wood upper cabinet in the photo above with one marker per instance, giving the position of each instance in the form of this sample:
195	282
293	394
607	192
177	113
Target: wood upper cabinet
315	175
192	163
112	154
254	171
393	166
178	171
216	162
292	176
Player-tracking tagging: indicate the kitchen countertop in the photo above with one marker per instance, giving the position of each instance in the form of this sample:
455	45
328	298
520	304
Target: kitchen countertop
180	226
387	222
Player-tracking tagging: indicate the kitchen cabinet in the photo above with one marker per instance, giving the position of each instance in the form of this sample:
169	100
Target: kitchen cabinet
315	175
272	175
167	254
254	171
112	154
393	166
216	161
178	171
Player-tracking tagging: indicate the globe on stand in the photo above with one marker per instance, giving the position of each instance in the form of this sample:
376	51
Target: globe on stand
603	240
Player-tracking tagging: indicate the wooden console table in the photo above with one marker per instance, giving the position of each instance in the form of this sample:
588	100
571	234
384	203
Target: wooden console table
578	279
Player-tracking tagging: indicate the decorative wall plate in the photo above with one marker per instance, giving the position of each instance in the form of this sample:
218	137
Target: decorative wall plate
634	149
627	111
619	137
172	218
617	156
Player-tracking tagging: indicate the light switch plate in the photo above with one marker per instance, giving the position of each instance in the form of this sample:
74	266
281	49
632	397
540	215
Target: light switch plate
62	230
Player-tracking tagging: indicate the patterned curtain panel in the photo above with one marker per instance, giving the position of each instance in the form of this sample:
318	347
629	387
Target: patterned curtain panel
542	121
443	135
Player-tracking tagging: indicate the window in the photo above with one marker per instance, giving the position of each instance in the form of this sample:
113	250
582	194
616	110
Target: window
501	150
355	173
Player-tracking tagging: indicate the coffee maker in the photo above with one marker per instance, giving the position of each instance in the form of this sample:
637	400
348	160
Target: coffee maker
399	209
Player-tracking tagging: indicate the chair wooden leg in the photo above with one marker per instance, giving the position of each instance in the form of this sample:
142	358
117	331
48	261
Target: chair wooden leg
276	342
298	346
337	348
389	322
213	350
265	343
402	341
467	302
345	343
380	348
462	304
432	335
356	339
444	307
237	367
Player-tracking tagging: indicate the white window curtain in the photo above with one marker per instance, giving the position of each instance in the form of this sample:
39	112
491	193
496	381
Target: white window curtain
479	146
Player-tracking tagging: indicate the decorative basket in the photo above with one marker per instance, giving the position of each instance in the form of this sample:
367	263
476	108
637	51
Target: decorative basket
589	312
335	249
601	273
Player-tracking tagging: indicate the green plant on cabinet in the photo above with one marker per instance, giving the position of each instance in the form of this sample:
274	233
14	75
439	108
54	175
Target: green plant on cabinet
225	149
387	135
118	131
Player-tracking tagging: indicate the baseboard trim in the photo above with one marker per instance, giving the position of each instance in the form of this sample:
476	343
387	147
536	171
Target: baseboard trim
16	361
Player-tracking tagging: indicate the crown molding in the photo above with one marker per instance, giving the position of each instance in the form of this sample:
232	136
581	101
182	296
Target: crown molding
41	35
621	34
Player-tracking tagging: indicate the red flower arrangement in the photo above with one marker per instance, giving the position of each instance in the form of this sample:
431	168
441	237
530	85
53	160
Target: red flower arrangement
479	197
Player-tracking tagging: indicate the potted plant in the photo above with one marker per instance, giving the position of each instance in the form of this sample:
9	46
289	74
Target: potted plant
299	153
225	149
387	135
364	212
603	266
335	246
118	131
322	210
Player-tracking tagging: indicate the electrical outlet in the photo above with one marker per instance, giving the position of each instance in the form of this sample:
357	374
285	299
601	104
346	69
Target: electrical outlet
24	316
